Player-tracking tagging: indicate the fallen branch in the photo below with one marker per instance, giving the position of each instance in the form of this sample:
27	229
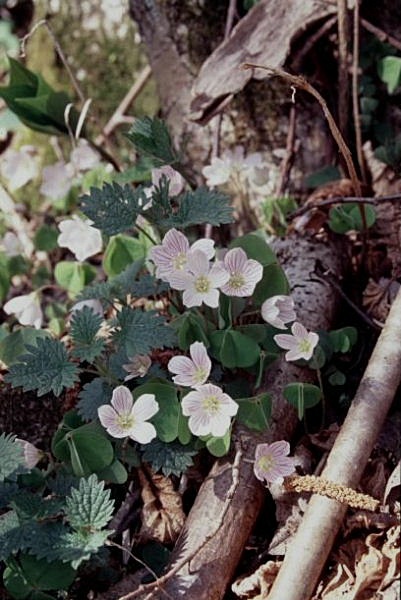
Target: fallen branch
310	548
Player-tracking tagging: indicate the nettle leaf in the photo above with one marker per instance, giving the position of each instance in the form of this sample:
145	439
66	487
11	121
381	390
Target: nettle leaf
148	286
89	506
85	325
151	138
11	456
201	206
79	546
94	394
170	459
139	332
302	395
45	368
113	208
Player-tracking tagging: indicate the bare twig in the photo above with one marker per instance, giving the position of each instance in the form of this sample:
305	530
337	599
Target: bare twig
343	200
355	93
59	51
380	34
157	585
308	552
342	27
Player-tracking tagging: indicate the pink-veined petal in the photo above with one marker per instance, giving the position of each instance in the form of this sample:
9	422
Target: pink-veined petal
218	275
286	341
206	245
220	425
142	432
199	355
299	330
180	365
180	281
235	260
253	271
145	407
199	424
280	448
198	262
212	298
192	298
122	400
107	415
191	403
176	241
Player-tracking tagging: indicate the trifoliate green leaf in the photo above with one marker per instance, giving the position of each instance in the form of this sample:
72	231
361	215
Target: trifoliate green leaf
45	368
31	575
85	325
139	332
94	394
89	506
171	459
113	209
151	138
11	456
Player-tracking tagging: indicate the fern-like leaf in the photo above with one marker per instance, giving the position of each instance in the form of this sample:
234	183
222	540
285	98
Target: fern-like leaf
139	332
89	507
85	325
45	368
113	208
171	459
201	206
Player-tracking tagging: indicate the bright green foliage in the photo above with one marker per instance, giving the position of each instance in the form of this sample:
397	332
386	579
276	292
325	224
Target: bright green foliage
89	507
46	238
234	349
113	209
219	446
37	105
171	459
348	217
93	395
85	325
11	456
73	276
343	339
390	72
139	332
122	251
151	138
45	368
302	395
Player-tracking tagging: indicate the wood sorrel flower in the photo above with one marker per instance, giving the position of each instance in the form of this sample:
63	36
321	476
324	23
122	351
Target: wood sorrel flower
244	273
79	237
278	310
172	254
300	344
193	371
209	410
32	455
201	281
126	419
26	308
138	366
272	462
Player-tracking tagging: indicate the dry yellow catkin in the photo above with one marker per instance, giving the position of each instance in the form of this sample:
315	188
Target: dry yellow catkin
336	491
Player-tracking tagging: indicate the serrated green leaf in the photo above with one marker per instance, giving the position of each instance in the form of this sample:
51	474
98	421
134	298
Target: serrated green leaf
13	345
85	324
45	368
172	459
89	507
79	546
92	396
14	535
151	138
11	456
138	332
113	209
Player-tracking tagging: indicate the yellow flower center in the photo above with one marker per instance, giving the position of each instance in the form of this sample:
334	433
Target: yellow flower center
211	404
125	421
200	374
265	463
304	346
202	284
180	261
236	281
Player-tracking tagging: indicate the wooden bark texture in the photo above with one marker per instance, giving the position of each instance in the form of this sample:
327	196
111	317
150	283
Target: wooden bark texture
207	575
345	465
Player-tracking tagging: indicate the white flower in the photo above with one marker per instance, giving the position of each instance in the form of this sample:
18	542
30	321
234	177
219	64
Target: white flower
32	455
138	366
12	244
79	237
278	310
201	282
193	371
26	308
244	273
57	180
300	344
272	462
172	254
83	157
209	410
19	166
176	180
231	163
126	419
95	305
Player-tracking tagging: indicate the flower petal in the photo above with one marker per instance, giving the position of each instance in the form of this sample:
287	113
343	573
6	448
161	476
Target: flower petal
145	407
122	400
142	432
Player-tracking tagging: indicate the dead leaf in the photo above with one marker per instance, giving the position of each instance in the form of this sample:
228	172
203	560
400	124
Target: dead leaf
257	585
263	36
394	482
378	296
162	513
